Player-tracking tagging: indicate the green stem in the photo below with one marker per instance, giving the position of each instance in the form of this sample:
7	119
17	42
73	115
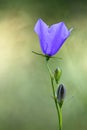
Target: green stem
59	112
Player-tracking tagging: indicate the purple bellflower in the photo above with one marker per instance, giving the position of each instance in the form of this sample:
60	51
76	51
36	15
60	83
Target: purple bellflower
51	38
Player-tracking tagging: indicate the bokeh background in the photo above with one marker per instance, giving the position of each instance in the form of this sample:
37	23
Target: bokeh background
25	89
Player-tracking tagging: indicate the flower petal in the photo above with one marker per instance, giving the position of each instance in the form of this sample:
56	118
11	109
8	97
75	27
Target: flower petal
58	33
41	29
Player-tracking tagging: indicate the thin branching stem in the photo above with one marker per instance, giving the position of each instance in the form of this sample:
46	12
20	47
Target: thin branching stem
59	113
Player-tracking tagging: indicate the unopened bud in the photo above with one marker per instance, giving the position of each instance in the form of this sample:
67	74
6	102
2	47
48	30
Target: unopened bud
57	74
61	92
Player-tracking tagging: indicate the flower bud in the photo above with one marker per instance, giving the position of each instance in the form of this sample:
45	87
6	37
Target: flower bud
61	92
57	74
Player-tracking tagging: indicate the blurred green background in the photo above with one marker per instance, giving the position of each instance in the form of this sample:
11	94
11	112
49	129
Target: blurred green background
25	89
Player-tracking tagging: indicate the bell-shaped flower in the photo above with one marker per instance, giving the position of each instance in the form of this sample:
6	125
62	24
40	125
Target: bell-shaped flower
51	38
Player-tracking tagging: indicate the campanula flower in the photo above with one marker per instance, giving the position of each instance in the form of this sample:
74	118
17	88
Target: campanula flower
51	38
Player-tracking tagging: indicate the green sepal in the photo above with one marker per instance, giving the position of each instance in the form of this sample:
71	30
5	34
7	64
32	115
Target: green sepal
60	103
47	57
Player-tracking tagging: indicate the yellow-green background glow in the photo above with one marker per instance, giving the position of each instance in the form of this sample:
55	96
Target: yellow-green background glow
25	89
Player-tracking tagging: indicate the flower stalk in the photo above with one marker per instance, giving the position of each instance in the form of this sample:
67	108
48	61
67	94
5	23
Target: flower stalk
58	108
